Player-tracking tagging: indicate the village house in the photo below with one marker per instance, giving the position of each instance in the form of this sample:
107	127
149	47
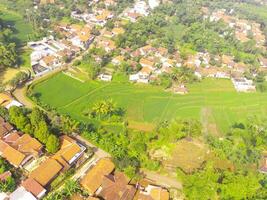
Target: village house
21	194
109	3
243	85
107	34
40	173
180	89
142	76
107	44
228	61
70	152
105	77
161	52
116	187
50	62
94	177
263	62
141	8
133	17
34	188
146	50
153	3
5	127
117	31
152	192
263	168
19	150
146	63
117	60
7	101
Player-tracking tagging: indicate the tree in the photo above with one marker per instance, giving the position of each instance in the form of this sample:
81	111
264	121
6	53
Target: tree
52	144
239	186
8	185
36	116
42	133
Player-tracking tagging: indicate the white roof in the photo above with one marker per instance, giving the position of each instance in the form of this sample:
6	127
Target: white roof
3	196
13	103
21	194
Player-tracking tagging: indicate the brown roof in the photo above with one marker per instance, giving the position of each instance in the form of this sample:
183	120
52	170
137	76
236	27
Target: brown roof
28	144
116	188
146	62
263	61
33	187
118	31
12	137
5	127
93	179
153	193
146	70
5	99
48	60
68	150
12	155
46	172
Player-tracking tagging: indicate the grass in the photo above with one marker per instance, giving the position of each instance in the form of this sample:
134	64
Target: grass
210	100
22	30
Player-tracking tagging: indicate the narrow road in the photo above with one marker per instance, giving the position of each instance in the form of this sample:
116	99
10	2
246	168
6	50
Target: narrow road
162	180
20	95
97	151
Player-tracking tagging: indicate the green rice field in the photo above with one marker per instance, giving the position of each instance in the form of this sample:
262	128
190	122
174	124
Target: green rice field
214	102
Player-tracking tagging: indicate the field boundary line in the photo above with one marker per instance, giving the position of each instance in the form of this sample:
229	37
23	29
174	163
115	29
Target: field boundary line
79	98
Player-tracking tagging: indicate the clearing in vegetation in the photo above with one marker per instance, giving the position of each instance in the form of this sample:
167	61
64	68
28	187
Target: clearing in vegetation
150	104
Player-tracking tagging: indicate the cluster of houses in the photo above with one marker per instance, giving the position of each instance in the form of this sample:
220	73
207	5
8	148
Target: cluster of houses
23	151
140	9
101	182
97	17
50	53
244	29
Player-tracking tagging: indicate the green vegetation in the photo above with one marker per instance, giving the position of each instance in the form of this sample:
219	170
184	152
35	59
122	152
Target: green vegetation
22	31
214	101
35	123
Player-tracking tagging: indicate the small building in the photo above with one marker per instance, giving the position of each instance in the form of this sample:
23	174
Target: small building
117	60
21	194
69	153
5	127
146	63
94	177
152	192
46	172
105	77
116	187
243	85
34	188
181	89
263	62
50	62
13	156
7	101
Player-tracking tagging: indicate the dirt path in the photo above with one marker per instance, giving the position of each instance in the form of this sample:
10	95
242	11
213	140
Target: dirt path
20	95
162	180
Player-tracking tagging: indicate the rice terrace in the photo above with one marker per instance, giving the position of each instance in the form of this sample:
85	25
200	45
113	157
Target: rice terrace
214	102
